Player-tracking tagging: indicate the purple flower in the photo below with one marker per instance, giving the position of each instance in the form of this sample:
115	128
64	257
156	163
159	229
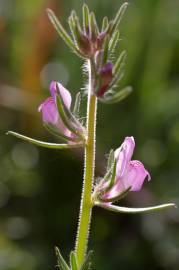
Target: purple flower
48	108
129	173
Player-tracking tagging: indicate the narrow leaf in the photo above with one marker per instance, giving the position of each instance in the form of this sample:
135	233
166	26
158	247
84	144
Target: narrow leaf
62	32
88	261
118	17
86	20
120	61
93	26
76	109
127	210
60	261
113	42
44	144
105	24
73	29
118	96
73	262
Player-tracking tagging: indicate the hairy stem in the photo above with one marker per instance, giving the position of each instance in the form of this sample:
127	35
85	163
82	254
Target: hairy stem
86	205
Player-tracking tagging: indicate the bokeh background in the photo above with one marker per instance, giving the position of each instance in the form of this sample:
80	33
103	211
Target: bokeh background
40	188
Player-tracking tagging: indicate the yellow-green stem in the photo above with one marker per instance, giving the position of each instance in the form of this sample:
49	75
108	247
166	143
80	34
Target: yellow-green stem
86	206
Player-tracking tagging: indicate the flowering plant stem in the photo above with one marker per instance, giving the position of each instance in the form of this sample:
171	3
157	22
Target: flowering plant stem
89	162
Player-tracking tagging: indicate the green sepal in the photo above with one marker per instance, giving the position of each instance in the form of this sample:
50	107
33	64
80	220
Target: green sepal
73	261
86	19
61	263
63	116
127	210
120	61
93	26
110	177
62	32
88	261
105	49
44	144
113	41
105	24
110	159
118	18
75	27
113	175
54	131
118	197
116	97
67	117
76	108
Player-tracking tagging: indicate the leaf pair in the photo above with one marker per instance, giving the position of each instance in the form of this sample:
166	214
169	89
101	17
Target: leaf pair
62	265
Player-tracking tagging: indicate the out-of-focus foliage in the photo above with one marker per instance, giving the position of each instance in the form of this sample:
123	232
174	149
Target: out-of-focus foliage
40	189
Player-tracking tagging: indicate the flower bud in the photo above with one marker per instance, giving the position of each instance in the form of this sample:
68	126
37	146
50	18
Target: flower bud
105	78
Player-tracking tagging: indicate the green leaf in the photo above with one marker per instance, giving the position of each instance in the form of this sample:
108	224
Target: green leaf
110	159
93	26
75	28
44	144
76	109
127	210
73	261
120	61
117	96
88	261
62	32
113	42
86	20
105	24
60	261
118	17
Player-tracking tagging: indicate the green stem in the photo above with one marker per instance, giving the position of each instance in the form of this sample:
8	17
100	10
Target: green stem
86	205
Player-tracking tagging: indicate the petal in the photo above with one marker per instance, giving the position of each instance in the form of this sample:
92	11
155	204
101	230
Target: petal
66	96
134	176
50	115
49	111
124	154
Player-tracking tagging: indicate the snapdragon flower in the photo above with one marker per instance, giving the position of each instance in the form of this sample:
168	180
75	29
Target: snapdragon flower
129	174
54	119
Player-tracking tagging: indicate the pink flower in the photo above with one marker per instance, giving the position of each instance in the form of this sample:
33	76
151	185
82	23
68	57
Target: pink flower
48	108
129	173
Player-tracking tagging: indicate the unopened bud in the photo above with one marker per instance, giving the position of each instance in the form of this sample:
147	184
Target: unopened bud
106	77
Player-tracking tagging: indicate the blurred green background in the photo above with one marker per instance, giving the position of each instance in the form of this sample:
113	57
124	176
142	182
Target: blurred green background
40	189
